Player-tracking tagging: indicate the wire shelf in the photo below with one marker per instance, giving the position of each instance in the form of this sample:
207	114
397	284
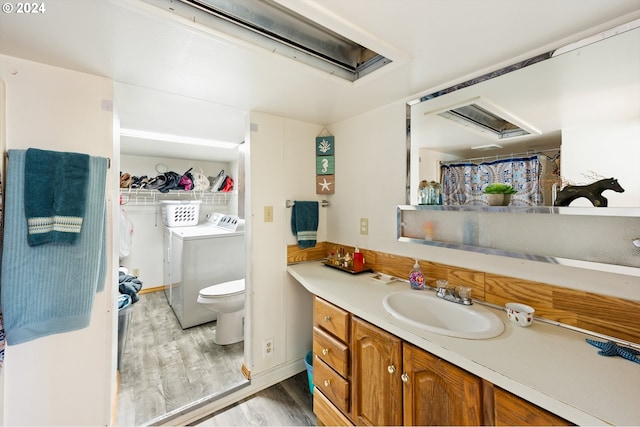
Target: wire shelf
141	197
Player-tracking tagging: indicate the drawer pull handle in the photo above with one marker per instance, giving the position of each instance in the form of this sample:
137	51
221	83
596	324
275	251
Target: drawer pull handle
325	351
391	369
327	318
404	377
327	383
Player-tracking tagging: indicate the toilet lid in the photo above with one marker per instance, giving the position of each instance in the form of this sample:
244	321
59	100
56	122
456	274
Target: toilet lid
223	289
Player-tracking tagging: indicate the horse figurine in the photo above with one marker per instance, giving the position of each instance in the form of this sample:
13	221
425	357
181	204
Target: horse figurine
593	192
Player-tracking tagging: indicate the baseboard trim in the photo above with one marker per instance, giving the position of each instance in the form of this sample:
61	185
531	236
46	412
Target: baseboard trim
212	404
114	408
149	290
246	372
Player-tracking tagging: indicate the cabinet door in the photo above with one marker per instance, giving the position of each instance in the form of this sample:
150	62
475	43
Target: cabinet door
437	392
376	368
506	409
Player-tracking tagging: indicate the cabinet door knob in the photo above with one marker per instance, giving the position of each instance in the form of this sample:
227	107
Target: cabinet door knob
325	351
391	369
404	377
327	318
327	383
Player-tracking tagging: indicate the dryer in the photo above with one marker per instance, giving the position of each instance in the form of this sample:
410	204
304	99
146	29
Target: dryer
200	256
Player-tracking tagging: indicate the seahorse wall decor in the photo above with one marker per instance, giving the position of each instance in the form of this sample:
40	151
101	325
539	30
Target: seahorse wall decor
593	192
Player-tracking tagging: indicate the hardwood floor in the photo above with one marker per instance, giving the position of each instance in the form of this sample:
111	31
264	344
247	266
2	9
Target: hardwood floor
288	403
164	367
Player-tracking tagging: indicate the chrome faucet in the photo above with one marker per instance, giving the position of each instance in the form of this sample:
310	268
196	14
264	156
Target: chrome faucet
459	295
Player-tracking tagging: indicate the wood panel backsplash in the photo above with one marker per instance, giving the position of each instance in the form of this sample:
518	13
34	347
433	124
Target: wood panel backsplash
612	316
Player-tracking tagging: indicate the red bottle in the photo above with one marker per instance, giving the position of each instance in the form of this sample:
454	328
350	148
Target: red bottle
358	260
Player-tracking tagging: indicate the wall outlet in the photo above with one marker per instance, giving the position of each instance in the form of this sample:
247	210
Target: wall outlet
268	214
136	272
364	225
267	348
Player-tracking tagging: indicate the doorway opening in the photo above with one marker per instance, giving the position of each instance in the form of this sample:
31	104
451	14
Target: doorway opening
166	368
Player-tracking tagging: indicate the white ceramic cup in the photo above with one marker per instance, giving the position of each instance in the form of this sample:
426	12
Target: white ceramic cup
520	314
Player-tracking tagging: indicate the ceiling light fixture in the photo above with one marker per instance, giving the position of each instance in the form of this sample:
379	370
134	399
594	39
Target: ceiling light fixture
155	136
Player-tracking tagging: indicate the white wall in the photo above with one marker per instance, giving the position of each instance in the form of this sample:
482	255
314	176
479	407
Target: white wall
610	150
370	178
63	379
281	166
429	162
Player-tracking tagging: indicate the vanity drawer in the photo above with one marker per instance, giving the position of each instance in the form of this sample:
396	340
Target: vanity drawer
332	385
335	353
326	413
331	318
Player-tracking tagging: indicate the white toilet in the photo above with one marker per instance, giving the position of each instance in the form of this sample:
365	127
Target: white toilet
227	299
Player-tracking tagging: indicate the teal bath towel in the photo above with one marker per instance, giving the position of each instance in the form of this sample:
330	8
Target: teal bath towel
49	289
304	223
55	190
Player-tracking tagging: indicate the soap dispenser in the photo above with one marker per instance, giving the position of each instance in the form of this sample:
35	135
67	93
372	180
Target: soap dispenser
416	278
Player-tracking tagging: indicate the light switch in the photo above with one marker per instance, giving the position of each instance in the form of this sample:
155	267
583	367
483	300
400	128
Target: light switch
268	214
364	225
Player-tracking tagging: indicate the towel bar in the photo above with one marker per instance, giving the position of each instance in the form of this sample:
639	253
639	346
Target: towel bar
323	203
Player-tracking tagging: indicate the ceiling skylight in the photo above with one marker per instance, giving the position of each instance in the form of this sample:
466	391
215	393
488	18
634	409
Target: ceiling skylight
268	24
482	117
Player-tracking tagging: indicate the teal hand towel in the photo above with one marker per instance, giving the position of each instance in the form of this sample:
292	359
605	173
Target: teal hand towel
304	223
55	195
50	289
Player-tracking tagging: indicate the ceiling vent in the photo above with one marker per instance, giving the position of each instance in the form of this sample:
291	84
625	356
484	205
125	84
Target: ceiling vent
485	118
280	30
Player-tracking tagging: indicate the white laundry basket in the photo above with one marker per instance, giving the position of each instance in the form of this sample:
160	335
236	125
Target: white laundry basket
178	213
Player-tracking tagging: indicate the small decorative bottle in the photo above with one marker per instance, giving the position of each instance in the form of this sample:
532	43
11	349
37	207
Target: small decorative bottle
358	260
416	278
423	193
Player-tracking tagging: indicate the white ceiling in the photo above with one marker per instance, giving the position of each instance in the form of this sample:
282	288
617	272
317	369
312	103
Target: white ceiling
209	81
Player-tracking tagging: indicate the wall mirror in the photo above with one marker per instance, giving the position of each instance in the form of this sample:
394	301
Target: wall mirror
577	109
578	106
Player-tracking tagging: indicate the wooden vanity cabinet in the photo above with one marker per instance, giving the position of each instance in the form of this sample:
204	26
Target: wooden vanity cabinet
364	375
505	409
396	383
331	363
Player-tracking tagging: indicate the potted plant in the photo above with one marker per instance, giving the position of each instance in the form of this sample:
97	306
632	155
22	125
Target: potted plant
499	194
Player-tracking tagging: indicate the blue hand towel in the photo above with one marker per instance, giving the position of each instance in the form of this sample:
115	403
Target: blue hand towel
55	195
49	289
304	223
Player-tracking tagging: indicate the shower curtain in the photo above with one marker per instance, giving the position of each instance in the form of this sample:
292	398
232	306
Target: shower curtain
463	182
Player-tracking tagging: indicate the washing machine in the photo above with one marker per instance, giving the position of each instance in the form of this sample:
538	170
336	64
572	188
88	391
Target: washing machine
200	256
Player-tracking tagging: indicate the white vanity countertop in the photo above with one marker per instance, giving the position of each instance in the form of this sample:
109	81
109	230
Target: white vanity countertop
550	366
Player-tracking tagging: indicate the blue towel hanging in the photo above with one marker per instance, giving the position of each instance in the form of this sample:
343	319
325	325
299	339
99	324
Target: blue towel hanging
55	192
49	289
304	223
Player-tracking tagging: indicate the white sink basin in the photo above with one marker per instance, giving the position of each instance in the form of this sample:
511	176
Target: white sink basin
424	310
